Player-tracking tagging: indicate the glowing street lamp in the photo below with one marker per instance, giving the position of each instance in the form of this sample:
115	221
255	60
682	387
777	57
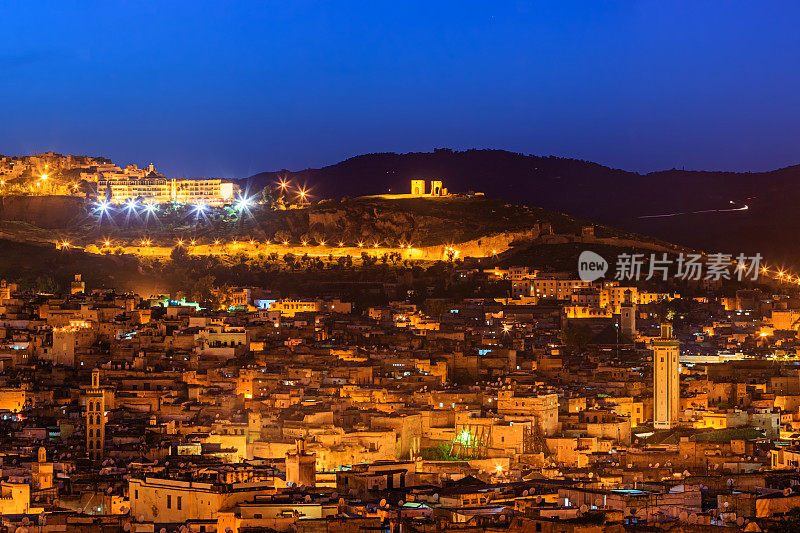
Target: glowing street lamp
243	204
341	244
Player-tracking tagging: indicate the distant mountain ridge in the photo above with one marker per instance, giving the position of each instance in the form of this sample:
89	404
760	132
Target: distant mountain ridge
706	207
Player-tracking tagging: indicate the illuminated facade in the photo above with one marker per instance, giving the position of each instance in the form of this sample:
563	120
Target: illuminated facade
436	188
161	190
666	379
95	419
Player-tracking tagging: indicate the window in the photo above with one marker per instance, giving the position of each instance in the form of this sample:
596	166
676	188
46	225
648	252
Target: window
257	515
179	502
169	501
136	494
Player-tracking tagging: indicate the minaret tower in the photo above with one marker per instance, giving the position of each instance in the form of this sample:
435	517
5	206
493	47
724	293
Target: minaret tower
666	379
95	418
627	313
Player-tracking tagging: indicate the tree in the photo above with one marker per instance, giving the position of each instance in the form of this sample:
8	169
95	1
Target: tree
267	197
204	291
179	255
576	336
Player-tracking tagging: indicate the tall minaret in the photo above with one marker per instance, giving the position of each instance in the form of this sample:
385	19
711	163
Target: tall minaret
666	379
627	313
95	418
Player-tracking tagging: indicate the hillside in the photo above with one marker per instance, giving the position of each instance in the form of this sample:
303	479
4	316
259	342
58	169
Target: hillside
591	191
387	221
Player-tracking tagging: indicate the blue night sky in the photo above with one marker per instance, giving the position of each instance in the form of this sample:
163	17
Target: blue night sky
232	88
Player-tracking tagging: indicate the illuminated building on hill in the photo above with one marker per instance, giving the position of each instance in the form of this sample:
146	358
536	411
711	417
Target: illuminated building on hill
158	190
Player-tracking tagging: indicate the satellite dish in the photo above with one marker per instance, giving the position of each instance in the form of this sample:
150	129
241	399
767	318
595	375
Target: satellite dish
583	508
382	502
740	521
400	503
525	492
127	526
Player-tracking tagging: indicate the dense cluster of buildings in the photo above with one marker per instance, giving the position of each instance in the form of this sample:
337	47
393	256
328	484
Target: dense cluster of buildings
296	413
119	185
